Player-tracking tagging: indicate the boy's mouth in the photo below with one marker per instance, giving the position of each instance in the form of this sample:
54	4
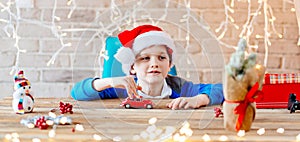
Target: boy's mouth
154	72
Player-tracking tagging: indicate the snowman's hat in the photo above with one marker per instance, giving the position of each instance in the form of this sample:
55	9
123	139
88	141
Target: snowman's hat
20	80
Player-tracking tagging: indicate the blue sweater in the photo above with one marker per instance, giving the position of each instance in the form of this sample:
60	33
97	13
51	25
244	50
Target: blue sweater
84	90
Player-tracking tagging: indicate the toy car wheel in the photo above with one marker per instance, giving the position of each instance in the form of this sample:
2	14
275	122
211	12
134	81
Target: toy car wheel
127	106
148	106
292	109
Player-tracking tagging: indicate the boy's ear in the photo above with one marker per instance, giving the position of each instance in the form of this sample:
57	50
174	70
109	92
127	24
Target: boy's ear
132	71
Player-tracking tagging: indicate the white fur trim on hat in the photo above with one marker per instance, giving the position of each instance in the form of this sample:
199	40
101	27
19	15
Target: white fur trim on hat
152	38
126	57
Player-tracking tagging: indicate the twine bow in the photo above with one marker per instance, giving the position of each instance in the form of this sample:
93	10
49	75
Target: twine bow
240	110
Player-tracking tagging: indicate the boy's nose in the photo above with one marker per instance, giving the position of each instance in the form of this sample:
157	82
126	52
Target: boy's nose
154	66
154	63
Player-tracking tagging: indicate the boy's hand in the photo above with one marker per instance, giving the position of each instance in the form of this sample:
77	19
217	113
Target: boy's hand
126	82
189	102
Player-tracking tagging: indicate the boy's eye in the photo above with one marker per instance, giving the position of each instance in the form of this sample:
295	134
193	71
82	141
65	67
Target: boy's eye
162	57
145	58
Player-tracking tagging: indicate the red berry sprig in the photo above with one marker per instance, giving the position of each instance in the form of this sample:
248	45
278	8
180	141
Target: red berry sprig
65	108
41	123
218	112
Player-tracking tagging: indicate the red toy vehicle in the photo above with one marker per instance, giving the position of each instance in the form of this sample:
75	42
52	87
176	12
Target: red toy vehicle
137	103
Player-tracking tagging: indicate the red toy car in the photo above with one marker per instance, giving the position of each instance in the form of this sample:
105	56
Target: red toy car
137	103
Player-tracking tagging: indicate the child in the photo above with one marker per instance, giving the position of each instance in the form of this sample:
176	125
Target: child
147	53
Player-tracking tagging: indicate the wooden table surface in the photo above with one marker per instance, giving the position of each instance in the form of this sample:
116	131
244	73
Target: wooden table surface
106	119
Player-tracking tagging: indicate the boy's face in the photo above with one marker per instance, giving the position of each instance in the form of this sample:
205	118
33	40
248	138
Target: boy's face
152	64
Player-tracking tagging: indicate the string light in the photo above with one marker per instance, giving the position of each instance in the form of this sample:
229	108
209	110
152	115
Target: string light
129	17
228	20
74	6
116	18
247	28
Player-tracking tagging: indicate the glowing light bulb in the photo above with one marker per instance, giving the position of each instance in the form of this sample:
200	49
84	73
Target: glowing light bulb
69	2
49	122
152	120
223	138
36	140
8	137
187	38
51	133
30	125
15	135
258	36
280	130
257	66
51	114
298	137
117	139
261	131
57	18
79	127
97	137
241	133
63	120
293	9
206	138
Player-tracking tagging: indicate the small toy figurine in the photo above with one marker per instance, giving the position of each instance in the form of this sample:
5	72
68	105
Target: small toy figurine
293	104
22	97
137	103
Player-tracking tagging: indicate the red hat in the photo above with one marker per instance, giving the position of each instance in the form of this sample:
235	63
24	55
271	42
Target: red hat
137	39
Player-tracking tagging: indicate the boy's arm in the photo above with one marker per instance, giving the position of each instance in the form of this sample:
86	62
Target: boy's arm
84	90
214	93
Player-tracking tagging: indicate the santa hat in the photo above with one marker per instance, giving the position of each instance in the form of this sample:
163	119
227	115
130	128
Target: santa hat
137	39
20	80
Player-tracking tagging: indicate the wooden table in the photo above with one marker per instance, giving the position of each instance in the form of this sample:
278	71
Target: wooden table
112	123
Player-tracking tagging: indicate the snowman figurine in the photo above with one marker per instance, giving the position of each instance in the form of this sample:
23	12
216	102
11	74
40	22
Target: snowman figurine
22	97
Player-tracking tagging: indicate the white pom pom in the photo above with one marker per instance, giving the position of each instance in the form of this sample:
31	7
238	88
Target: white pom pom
126	57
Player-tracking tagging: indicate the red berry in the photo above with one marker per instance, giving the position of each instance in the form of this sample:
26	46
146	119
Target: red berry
139	88
65	108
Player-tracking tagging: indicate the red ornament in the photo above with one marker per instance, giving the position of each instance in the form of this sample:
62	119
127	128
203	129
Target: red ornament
41	123
218	112
65	108
73	130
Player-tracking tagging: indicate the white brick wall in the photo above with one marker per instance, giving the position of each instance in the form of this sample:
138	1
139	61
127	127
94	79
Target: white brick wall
81	60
